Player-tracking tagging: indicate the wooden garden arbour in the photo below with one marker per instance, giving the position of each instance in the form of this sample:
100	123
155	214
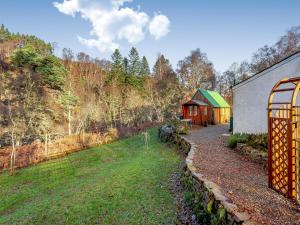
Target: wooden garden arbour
284	139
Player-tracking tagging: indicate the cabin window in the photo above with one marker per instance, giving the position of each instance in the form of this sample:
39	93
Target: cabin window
190	110
205	111
195	110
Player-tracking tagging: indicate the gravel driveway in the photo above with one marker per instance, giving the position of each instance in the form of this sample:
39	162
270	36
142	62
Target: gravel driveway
242	181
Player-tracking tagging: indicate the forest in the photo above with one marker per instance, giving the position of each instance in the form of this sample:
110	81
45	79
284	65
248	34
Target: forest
45	97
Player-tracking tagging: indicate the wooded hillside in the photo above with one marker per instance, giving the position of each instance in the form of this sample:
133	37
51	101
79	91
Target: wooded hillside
43	97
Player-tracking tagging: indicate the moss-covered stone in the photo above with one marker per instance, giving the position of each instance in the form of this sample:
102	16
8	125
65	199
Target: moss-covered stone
202	202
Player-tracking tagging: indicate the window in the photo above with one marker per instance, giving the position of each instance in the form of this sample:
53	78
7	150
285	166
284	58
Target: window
205	111
195	110
190	110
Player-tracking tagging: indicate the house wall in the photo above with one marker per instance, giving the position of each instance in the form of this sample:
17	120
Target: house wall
221	115
250	98
216	115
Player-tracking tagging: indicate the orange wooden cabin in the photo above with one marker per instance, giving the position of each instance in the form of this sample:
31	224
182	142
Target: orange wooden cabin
196	111
206	107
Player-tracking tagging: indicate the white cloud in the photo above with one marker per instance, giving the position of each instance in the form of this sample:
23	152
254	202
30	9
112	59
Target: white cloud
117	3
159	26
112	22
68	7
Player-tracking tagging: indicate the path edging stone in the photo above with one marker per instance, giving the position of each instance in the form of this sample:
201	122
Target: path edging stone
233	214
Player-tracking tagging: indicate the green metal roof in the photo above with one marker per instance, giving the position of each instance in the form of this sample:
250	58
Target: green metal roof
214	98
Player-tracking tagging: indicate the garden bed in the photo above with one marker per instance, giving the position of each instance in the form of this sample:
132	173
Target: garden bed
253	146
257	156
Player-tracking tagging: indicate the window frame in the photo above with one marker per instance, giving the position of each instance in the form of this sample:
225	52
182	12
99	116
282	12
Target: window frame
195	110
190	110
205	111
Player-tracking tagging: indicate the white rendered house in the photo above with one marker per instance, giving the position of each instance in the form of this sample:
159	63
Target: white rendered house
250	97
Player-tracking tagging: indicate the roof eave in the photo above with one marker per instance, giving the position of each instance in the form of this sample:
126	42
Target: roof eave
264	70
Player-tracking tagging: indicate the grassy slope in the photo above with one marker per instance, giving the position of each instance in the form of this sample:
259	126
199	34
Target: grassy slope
118	183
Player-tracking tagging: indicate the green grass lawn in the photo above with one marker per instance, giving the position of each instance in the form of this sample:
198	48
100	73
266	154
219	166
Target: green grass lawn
118	183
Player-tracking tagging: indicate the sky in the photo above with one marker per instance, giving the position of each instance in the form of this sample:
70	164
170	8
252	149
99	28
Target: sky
226	30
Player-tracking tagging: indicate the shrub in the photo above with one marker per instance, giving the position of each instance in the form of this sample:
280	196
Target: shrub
258	141
52	71
187	197
26	56
236	138
180	127
50	67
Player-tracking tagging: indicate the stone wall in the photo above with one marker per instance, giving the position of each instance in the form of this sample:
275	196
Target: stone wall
209	204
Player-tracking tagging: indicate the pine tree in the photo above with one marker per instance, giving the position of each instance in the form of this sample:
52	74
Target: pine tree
117	69
145	70
117	59
134	62
126	65
4	33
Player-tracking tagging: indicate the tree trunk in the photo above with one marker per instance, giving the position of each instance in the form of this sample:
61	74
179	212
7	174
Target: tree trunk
69	121
120	117
13	153
46	144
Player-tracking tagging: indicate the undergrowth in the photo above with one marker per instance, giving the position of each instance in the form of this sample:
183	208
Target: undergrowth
257	141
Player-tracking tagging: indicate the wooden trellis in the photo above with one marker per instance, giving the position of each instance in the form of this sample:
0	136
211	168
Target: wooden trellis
284	139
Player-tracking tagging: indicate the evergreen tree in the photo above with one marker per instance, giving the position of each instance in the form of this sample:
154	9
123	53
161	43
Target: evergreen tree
25	57
126	65
52	71
50	67
117	69
117	60
4	33
145	70
134	62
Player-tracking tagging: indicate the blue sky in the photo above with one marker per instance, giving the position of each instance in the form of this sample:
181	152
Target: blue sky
227	31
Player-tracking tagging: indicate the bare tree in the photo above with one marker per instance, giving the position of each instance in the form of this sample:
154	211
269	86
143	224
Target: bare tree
196	71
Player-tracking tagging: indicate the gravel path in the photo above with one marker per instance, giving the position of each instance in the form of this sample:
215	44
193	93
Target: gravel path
243	181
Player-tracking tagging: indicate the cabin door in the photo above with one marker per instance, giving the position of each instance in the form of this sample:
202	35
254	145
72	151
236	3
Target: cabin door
204	116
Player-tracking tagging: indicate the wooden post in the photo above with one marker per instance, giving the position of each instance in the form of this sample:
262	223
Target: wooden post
290	157
269	150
